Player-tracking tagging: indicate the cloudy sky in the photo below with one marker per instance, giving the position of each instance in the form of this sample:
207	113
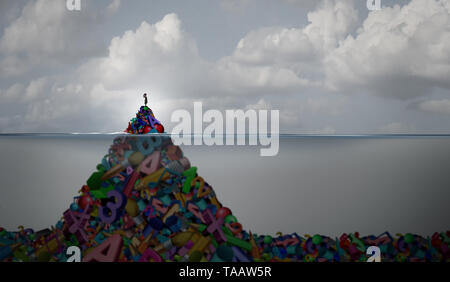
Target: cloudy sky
329	66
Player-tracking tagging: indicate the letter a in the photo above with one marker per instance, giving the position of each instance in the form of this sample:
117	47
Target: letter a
108	251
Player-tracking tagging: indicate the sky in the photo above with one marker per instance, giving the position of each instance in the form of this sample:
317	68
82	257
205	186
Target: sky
329	67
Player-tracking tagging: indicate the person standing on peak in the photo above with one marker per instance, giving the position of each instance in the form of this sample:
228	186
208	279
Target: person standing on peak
145	99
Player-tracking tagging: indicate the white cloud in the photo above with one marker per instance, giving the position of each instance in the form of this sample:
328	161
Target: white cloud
28	93
47	34
35	89
398	52
331	22
436	106
277	59
160	57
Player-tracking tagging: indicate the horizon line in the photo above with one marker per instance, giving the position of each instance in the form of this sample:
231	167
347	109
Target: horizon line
235	134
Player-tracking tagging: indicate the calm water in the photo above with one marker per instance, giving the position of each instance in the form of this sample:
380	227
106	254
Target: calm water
316	184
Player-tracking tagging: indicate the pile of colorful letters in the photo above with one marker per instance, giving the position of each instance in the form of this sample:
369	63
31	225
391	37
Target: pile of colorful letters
144	122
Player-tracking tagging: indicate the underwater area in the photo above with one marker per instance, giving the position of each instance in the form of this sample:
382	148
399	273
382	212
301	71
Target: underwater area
314	185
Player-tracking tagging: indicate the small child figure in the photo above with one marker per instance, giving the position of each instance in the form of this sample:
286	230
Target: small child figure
145	99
